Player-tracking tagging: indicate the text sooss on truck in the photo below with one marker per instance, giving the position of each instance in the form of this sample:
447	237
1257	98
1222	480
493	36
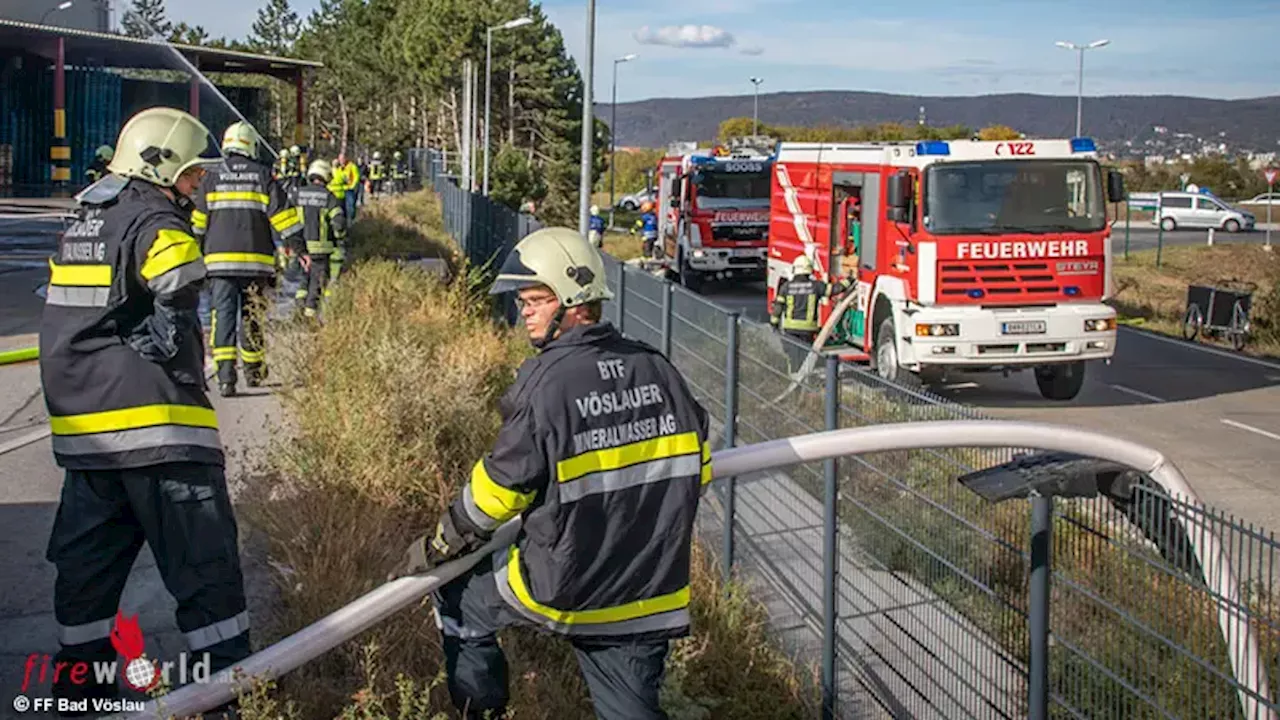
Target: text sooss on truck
713	212
963	255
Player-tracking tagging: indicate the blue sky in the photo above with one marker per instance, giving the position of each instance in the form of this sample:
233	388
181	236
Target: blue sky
692	48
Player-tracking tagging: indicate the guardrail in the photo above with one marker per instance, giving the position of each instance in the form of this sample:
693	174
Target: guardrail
942	604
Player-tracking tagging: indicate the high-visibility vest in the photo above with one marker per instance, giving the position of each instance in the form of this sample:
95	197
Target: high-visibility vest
338	183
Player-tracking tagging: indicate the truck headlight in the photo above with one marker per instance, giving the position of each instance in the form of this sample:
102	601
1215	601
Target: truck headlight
1102	325
937	329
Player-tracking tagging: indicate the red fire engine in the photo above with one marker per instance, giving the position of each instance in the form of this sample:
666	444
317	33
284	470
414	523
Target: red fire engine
713	211
964	255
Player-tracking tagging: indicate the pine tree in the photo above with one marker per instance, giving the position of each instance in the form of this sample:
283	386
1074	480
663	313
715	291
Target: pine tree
277	28
146	19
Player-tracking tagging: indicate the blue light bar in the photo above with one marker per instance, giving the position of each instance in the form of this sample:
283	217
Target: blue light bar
933	147
1083	144
976	293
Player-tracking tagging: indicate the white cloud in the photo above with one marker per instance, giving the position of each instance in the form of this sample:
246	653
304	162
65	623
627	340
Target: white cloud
753	50
686	36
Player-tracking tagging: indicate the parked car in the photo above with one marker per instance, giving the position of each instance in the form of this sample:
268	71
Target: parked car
1263	199
633	201
1199	210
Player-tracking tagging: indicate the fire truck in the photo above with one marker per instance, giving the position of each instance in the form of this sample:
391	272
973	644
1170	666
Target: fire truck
713	210
960	255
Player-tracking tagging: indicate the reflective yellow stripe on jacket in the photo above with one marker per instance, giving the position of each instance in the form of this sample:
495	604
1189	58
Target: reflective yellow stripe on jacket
78	285
254	262
173	262
134	429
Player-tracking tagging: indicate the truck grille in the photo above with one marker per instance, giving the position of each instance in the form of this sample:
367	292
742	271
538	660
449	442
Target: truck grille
998	280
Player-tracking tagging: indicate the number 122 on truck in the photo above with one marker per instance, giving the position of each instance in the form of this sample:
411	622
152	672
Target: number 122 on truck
962	255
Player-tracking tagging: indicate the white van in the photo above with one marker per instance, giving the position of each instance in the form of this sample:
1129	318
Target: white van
1199	210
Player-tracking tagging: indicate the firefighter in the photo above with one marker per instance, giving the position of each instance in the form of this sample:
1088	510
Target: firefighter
238	209
122	367
377	174
351	183
98	168
324	229
399	173
647	224
795	307
596	228
598	430
338	183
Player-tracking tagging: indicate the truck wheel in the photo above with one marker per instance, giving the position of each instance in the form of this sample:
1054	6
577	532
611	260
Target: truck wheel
1060	382
689	278
885	357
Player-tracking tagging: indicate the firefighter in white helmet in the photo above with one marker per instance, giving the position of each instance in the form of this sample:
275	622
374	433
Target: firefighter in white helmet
795	307
583	568
122	367
324	232
595	230
240	209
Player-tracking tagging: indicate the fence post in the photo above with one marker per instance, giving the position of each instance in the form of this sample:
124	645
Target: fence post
830	556
1038	611
730	433
620	301
667	290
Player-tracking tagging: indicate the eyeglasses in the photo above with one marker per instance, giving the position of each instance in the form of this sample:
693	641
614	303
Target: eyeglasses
535	302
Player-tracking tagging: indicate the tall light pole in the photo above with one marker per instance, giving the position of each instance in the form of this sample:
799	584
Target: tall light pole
488	61
613	131
584	182
755	108
1080	79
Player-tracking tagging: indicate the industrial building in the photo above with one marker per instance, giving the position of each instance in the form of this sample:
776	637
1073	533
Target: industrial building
65	91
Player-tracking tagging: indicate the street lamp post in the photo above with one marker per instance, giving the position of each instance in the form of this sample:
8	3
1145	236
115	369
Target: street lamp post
488	61
60	6
588	78
613	132
755	108
1080	79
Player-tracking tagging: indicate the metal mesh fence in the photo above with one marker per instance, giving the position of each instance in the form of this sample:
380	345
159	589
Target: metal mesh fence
932	610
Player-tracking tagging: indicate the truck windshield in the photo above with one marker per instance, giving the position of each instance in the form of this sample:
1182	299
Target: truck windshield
733	190
1009	196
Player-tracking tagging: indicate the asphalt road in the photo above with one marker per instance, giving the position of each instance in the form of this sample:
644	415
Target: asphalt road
1213	412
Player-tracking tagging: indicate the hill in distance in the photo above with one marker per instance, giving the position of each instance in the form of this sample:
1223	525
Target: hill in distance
1252	124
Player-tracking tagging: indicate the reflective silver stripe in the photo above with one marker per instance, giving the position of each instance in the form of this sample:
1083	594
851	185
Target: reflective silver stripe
88	632
670	620
73	296
201	638
474	513
135	439
177	278
237	205
292	230
199	230
453	628
629	477
262	268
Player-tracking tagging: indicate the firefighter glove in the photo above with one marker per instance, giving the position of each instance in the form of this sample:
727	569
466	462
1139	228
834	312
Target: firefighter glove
429	552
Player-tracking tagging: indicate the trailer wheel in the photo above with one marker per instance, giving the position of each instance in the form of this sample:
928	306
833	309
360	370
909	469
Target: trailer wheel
1060	382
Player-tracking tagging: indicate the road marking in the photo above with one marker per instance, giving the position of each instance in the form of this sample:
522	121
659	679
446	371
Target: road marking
1250	428
1204	348
1137	393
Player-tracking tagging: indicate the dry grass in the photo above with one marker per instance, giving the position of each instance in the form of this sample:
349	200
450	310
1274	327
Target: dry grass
1156	298
390	401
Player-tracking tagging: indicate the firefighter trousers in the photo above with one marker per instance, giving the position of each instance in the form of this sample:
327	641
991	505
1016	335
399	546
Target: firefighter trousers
798	350
317	282
183	513
239	316
623	676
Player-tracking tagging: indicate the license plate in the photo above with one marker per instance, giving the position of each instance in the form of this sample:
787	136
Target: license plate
1023	327
746	252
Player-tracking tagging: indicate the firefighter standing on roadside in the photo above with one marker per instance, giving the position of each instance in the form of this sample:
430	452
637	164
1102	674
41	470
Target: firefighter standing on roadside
596	227
350	183
98	167
324	229
122	367
598	430
647	224
377	174
239	207
795	307
399	173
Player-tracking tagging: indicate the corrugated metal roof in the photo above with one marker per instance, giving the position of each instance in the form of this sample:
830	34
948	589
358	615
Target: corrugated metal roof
84	47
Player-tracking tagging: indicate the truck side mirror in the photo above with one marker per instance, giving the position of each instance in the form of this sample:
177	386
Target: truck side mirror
898	197
1115	186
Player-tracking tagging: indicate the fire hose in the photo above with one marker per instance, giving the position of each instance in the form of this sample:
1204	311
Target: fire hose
818	342
377	605
9	357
